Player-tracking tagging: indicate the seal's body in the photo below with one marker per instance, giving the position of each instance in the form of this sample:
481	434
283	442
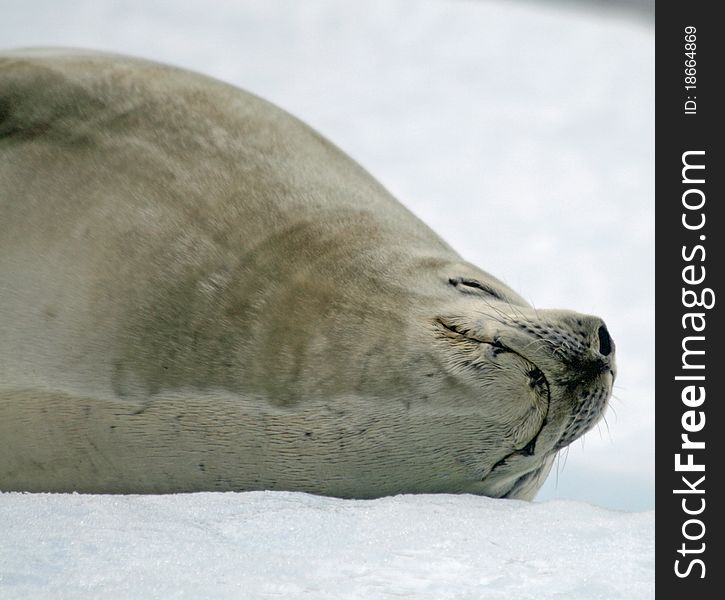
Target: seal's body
198	292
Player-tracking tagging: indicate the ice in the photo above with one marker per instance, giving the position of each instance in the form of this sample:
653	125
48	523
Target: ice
262	545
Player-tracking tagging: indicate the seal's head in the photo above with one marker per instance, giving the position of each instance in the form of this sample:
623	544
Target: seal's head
545	377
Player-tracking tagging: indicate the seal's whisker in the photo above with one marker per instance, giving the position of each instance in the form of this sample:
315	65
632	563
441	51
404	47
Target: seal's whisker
614	411
497	310
561	458
606	424
501	321
516	310
541	343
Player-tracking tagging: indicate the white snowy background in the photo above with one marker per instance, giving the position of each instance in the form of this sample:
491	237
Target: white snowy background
523	133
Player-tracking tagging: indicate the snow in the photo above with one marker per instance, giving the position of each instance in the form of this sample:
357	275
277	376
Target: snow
289	545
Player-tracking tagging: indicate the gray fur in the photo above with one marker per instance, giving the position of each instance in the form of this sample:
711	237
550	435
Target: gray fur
199	292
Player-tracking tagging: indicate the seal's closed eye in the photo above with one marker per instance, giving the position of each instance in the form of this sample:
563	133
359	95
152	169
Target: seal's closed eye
467	285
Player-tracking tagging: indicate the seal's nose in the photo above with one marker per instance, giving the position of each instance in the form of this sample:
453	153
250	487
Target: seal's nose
605	341
603	345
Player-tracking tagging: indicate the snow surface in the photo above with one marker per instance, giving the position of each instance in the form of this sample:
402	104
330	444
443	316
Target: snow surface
260	545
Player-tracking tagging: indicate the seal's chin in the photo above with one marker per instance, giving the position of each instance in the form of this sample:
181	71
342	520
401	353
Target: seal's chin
589	402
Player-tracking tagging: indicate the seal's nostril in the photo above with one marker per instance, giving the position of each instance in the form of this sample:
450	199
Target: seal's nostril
605	342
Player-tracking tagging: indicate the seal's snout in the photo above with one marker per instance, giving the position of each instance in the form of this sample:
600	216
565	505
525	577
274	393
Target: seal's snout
606	345
603	361
596	355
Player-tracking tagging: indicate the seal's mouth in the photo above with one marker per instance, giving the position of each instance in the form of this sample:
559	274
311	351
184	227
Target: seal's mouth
537	380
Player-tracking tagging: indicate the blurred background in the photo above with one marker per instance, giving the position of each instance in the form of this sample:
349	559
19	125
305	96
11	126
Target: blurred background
521	131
